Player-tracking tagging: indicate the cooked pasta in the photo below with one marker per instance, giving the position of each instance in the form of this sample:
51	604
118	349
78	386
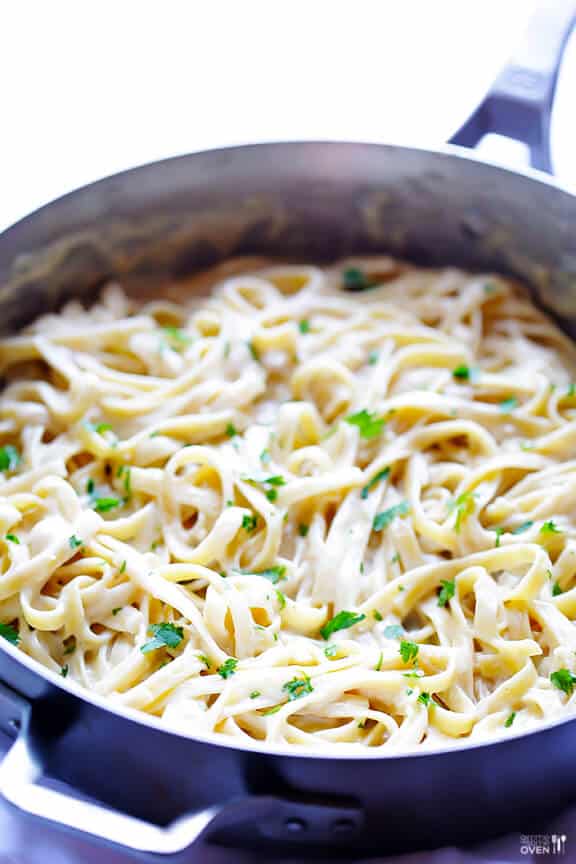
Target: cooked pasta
327	508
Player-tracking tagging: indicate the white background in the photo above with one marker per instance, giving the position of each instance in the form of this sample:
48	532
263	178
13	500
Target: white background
89	88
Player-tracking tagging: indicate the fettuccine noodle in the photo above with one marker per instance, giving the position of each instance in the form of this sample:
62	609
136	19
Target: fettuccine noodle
327	508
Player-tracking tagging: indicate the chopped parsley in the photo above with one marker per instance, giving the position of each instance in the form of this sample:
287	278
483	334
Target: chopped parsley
274	574
377	615
499	532
116	610
508	405
270	484
464	506
10	634
355	280
304	326
303	529
176	337
255	694
231	430
228	668
342	621
381	475
408	651
556	589
9	458
571	392
253	351
281	599
525	526
510	719
269	711
564	680
424	699
417	673
447	591
203	659
383	520
331	650
393	631
369	425
378	666
549	527
298	687
70	645
128	480
249	523
373	358
100	428
461	373
165	636
90	486
13	538
122	566
64	671
74	542
104	505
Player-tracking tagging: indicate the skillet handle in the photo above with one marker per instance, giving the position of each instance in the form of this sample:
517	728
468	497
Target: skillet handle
262	821
519	103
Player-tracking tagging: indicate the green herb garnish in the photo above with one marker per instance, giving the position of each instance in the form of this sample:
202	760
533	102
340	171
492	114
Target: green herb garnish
510	719
408	651
165	636
10	634
369	425
304	326
447	591
231	430
228	668
378	666
499	532
549	527
303	529
116	610
13	538
556	589
90	486
9	458
64	671
104	505
298	687
381	475
424	699
253	351
508	405
355	280
176	337
281	599
331	650
564	680
122	566
383	520
377	615
342	621
270	711
249	523
373	357
464	506
255	694
274	574
462	373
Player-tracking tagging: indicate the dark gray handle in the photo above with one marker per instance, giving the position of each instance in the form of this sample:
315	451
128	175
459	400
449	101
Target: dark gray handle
519	103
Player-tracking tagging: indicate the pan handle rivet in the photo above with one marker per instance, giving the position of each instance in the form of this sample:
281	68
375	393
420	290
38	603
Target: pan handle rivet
295	826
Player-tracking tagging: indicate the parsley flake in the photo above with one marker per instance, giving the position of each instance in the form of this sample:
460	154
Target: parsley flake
461	373
564	680
510	719
355	280
408	651
383	520
464	506
424	699
369	425
556	589
331	650
381	475
13	538
176	337
377	615
104	505
74	542
231	430
549	527
228	668
298	687
165	636
9	458
508	405
303	529
249	523
64	671
447	591
373	357
255	694
304	326
342	621
10	634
